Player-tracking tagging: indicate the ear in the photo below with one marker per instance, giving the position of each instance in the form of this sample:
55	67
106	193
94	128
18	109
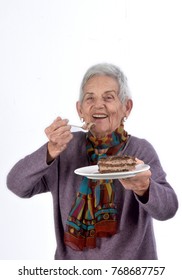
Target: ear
128	106
79	109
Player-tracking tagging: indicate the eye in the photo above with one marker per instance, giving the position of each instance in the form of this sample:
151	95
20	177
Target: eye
89	98
109	97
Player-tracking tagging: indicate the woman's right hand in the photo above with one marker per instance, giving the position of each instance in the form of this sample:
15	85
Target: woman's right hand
59	135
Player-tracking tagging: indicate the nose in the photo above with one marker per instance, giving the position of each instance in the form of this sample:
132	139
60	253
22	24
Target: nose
99	103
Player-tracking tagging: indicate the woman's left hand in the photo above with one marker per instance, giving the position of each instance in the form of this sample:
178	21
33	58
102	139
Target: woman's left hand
139	183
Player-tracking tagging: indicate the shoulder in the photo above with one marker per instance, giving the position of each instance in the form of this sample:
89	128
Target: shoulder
136	141
140	148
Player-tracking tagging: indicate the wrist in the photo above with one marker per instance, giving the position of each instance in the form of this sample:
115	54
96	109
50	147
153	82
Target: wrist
50	154
143	195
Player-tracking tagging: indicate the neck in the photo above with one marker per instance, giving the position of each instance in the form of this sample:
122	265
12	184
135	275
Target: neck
101	135
98	135
116	137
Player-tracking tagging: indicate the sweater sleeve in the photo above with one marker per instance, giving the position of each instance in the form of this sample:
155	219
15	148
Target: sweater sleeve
162	203
27	178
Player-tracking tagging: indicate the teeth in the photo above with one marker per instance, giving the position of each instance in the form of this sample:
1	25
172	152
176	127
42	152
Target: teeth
99	116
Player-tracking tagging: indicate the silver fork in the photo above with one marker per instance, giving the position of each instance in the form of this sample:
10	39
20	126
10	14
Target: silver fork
85	126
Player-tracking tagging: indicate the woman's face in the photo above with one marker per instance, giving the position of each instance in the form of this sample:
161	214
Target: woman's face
102	106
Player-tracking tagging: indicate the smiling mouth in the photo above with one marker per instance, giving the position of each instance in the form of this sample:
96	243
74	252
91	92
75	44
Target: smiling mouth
99	116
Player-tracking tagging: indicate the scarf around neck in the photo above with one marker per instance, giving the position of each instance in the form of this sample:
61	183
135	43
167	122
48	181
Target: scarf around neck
93	213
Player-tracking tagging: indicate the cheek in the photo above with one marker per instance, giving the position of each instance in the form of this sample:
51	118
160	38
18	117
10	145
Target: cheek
117	113
84	109
85	114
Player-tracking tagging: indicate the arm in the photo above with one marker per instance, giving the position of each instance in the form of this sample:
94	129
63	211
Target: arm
27	177
162	202
151	188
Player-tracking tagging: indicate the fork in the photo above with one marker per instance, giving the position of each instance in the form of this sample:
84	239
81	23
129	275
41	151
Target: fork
85	126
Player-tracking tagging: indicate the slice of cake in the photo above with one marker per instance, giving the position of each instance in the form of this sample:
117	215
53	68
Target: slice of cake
116	164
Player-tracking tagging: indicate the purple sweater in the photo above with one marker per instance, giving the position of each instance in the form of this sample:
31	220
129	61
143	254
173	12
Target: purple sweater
135	238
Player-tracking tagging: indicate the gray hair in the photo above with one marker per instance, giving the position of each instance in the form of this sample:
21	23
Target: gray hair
106	69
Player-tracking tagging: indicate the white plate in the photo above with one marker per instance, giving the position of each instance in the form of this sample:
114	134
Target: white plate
92	172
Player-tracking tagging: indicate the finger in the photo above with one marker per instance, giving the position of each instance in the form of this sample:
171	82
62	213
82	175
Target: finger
139	161
138	178
58	123
65	137
60	136
144	174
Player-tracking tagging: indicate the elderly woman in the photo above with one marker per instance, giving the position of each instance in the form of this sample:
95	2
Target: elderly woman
98	219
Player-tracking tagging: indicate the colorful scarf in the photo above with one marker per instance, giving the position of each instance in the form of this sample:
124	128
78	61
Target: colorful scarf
94	213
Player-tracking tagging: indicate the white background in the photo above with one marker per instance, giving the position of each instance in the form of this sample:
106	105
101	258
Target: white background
45	48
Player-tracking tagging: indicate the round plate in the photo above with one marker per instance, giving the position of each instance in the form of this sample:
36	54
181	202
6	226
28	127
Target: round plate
92	172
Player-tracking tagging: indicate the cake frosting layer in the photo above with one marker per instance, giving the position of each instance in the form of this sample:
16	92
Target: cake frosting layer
116	164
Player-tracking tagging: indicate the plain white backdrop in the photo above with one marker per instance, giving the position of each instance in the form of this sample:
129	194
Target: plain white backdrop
45	48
